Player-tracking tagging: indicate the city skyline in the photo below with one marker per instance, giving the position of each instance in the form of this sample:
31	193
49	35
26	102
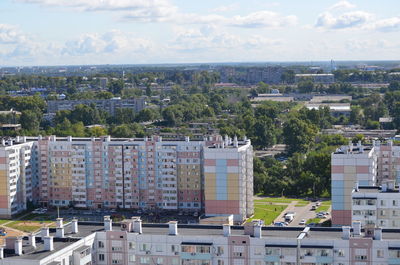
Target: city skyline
47	32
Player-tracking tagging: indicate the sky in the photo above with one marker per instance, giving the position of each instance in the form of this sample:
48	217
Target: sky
82	32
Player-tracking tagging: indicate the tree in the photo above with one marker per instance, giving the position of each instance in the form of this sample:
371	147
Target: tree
116	86
306	86
147	115
30	121
264	132
122	131
298	135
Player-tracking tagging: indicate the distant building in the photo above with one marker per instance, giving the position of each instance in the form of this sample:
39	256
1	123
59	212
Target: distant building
269	75
108	105
272	97
336	109
330	98
103	83
316	78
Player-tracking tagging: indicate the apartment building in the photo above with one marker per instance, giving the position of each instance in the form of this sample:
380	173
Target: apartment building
317	78
16	180
148	173
377	205
350	165
357	169
131	242
108	105
228	179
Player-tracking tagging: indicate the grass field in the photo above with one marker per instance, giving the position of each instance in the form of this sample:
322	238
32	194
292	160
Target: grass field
324	207
313	220
279	200
3	221
28	226
267	213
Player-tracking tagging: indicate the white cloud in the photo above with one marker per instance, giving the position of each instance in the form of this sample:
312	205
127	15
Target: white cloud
10	34
263	19
355	19
212	38
225	8
341	5
165	11
110	42
388	25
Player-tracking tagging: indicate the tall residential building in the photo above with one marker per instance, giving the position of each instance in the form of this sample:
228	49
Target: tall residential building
108	105
228	179
133	243
358	169
16	180
350	165
147	173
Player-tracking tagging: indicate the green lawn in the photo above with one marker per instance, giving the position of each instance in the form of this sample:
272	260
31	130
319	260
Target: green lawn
313	220
3	221
324	207
302	203
279	200
268	213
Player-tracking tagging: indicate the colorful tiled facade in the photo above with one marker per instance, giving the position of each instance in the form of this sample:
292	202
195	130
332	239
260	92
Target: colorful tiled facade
361	166
144	173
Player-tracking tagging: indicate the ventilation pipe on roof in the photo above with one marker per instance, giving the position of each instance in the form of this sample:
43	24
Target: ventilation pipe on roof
48	243
74	224
173	228
227	230
107	223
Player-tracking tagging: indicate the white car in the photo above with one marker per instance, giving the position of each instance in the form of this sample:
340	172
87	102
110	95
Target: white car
322	216
302	222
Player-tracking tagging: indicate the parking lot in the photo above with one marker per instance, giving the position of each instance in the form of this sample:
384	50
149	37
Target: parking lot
304	212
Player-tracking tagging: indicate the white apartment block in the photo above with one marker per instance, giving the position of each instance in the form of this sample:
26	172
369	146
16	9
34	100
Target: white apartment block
133	243
16	180
378	206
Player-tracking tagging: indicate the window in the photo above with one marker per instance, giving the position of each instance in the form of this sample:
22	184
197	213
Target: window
101	257
132	245
220	250
380	253
175	261
272	251
160	261
258	251
132	258
174	248
144	247
220	262
361	257
101	244
159	248
145	260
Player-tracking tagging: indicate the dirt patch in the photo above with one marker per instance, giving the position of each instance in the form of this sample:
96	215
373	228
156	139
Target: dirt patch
10	233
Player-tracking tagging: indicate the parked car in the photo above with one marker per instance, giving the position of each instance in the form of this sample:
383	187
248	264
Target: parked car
320	215
311	225
279	224
313	208
302	222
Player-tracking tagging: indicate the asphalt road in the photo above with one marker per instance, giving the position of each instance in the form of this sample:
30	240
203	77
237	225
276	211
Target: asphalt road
304	212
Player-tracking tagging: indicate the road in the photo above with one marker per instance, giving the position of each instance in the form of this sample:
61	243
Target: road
303	212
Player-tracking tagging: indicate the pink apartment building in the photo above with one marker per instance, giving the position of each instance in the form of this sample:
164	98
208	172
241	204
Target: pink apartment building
146	173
